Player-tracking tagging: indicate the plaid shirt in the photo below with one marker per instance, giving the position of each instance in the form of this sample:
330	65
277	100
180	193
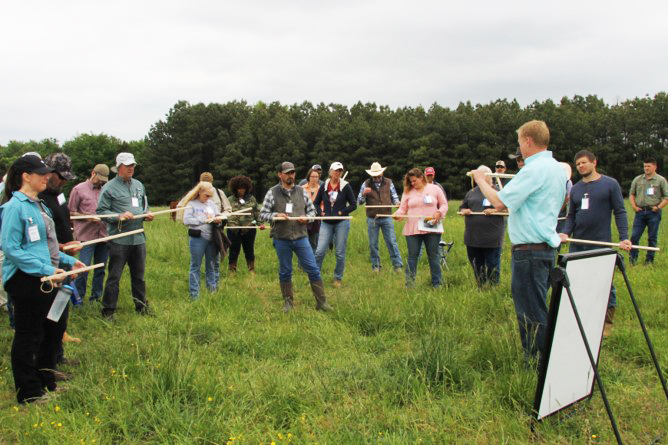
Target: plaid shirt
267	212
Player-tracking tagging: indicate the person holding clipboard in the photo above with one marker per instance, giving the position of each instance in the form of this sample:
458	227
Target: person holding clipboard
424	206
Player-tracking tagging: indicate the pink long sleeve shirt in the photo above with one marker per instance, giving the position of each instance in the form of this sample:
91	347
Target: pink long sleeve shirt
414	203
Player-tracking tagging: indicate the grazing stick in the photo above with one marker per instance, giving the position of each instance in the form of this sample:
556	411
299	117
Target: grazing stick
603	243
101	240
70	272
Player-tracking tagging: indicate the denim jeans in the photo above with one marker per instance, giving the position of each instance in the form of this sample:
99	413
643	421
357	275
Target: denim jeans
135	257
414	243
99	253
651	220
339	232
302	249
374	226
529	285
486	263
612	301
202	247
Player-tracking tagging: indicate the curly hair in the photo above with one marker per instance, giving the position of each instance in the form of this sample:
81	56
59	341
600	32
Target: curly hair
240	182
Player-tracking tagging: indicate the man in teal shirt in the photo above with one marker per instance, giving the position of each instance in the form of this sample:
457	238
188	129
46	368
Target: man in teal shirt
126	197
533	198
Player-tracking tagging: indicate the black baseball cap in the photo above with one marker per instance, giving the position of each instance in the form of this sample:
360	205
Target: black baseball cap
31	164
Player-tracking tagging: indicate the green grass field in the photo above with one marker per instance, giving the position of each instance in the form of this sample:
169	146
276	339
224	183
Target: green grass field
388	366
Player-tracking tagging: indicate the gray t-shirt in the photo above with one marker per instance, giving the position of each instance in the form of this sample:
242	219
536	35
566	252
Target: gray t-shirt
51	238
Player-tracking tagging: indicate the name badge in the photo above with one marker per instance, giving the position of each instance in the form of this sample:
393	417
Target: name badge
61	199
135	201
485	203
585	202
288	207
427	199
650	191
242	201
33	234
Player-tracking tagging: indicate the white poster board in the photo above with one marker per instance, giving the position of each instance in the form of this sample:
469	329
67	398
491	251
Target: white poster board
567	375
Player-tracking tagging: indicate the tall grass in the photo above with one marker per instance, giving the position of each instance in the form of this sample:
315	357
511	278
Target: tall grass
388	366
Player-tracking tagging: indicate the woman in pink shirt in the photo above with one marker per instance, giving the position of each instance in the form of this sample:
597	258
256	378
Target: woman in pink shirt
428	202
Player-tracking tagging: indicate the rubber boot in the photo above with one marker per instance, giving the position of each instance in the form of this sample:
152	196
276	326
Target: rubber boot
318	289
609	319
251	266
233	267
288	296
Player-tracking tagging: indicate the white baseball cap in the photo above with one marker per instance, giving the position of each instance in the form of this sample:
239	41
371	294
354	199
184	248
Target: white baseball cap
336	166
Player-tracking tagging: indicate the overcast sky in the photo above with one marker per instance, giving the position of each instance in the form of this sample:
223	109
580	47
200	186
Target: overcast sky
117	67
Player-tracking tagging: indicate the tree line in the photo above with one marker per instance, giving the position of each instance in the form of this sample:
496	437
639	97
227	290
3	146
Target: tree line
252	139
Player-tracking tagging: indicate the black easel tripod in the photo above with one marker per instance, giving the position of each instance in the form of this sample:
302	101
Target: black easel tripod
560	277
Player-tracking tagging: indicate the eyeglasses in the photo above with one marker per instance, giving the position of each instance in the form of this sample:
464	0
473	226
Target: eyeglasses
500	166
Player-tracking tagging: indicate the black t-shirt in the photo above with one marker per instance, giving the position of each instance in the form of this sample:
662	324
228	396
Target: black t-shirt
481	230
57	203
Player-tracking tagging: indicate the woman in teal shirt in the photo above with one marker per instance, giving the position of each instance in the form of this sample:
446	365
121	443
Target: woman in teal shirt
31	252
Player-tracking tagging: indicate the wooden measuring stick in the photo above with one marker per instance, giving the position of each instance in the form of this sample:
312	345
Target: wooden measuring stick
603	243
71	272
320	218
107	215
143	215
101	240
403	216
495	175
485	214
242	227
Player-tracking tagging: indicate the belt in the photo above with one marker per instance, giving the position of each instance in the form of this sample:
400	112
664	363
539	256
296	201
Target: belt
540	246
647	208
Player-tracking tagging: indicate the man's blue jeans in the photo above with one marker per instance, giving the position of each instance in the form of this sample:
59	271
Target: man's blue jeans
612	301
486	263
651	220
374	226
202	247
302	249
339	232
99	253
529	285
413	243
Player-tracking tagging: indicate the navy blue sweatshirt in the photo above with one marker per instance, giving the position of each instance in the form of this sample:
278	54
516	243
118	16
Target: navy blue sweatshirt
344	204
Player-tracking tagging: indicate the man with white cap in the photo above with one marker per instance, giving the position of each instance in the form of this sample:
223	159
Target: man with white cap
126	197
379	191
83	201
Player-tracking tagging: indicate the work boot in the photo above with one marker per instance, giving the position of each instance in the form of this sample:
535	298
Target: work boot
251	266
609	318
318	289
233	267
288	297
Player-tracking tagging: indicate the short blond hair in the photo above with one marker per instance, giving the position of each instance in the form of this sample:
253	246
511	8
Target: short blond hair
537	131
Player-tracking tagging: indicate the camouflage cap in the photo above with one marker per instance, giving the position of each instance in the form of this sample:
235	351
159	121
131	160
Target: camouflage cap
61	164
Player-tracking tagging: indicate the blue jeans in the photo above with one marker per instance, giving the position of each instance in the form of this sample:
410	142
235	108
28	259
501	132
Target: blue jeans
99	253
612	301
340	234
413	243
529	285
374	226
486	263
651	220
302	249
202	247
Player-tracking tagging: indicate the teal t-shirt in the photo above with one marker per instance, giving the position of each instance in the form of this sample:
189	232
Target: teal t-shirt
534	197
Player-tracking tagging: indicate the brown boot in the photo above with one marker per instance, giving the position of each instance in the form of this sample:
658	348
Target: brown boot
251	266
318	289
609	319
288	296
233	267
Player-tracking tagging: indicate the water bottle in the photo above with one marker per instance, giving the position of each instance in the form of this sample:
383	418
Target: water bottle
60	302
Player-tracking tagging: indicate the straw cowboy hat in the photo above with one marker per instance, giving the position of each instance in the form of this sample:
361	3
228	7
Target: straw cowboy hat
376	169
